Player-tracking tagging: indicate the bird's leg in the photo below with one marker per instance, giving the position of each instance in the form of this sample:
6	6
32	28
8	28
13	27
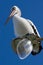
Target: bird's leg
40	39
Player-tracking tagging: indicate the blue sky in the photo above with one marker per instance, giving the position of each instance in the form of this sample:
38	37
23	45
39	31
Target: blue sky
31	9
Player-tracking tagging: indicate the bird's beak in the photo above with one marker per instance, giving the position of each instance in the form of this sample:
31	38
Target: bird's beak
10	16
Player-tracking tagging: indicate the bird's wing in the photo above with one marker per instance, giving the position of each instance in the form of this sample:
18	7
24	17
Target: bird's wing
34	27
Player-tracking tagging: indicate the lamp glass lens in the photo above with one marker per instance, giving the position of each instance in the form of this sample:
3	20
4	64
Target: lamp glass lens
24	48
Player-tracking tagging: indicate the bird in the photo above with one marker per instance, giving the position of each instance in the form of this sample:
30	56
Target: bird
21	25
22	29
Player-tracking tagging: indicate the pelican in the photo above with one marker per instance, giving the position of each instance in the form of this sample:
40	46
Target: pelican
22	29
22	26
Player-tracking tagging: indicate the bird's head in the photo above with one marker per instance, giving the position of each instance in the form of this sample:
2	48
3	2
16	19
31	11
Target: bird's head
14	11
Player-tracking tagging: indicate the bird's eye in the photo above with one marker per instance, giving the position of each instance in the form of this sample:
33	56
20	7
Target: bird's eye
13	8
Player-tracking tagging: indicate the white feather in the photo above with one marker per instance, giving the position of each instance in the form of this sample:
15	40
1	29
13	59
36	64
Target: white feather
22	26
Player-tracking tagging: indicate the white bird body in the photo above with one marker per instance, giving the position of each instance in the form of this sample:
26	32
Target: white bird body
22	26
